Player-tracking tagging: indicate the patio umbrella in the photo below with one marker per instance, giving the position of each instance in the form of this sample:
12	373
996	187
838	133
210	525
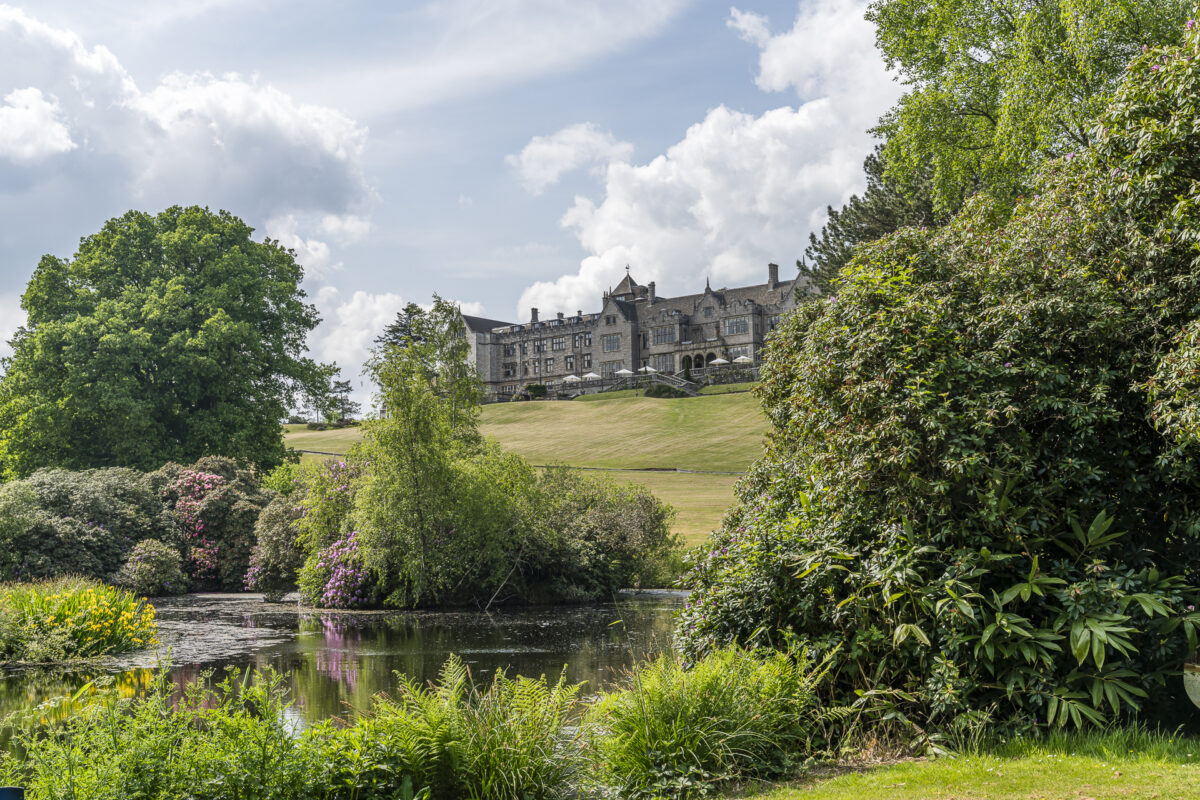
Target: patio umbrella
572	379
591	375
718	361
743	360
647	369
624	372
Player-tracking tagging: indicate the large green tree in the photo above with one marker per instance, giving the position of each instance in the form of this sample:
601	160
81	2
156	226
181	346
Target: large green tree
997	87
165	338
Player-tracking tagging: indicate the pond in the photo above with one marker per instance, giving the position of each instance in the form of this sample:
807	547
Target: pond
334	662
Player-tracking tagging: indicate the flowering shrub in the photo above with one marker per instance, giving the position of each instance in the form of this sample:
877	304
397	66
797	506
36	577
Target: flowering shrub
218	505
152	570
983	469
71	618
336	578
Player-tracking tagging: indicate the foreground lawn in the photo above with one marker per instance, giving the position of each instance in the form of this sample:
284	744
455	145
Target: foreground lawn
1125	765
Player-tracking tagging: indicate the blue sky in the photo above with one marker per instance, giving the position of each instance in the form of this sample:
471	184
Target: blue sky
502	153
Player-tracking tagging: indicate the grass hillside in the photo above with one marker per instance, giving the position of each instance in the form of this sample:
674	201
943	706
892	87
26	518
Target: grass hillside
720	433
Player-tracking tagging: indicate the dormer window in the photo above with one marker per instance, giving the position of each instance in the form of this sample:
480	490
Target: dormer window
708	312
610	320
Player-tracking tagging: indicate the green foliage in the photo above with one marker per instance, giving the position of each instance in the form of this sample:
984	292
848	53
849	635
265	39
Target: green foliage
80	523
165	338
663	390
219	504
276	557
597	537
676	731
883	208
453	739
428	514
152	570
71	618
995	89
283	479
981	480
535	389
234	740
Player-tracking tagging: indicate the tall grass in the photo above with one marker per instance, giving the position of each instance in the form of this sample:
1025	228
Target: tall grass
69	618
676	731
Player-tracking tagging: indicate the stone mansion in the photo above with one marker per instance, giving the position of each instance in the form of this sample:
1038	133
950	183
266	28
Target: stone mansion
634	328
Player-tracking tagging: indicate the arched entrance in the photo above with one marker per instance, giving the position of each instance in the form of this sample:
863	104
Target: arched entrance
698	362
711	358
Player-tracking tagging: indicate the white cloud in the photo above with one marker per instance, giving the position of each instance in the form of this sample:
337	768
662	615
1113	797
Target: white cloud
347	227
31	127
312	254
547	158
223	141
739	190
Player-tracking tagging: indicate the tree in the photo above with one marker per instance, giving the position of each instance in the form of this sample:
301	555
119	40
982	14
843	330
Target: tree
883	208
339	405
982	477
998	88
401	333
435	341
165	338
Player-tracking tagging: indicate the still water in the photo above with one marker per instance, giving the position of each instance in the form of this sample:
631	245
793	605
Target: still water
334	662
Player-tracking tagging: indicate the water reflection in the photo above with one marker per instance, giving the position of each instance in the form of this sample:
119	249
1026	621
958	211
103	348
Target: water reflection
335	662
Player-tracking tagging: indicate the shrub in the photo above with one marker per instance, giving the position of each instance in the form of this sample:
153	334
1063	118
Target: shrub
57	522
219	505
69	618
674	730
152	569
276	557
663	390
335	576
535	389
235	739
284	479
454	740
982	472
597	537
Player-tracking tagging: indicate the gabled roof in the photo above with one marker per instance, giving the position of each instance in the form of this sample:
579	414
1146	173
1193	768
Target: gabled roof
482	325
627	285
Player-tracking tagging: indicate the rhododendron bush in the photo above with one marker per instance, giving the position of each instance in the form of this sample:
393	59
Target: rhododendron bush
982	476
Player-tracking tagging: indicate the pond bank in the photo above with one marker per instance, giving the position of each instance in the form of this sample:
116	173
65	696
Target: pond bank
334	661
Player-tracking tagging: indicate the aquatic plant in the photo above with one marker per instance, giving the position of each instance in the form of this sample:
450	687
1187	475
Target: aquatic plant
69	618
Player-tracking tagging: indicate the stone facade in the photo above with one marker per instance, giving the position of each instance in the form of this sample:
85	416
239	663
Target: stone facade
634	328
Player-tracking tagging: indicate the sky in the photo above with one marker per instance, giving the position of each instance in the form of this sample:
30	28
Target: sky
504	154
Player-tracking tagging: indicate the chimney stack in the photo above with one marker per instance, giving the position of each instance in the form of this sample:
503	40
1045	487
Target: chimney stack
651	292
560	316
772	275
579	313
533	315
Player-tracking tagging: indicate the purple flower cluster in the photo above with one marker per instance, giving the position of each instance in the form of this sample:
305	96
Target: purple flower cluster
346	586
